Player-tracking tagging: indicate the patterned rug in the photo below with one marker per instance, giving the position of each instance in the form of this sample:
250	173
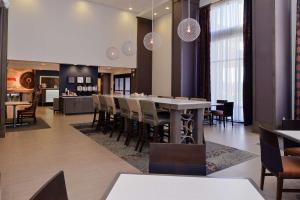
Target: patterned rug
29	125
218	157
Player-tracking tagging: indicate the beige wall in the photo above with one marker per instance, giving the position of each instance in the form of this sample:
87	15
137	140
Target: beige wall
68	31
162	57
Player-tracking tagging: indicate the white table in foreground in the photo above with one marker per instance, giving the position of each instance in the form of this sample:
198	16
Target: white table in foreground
165	187
291	135
14	104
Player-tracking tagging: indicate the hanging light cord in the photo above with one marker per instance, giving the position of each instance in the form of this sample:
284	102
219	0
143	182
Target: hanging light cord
189	7
152	14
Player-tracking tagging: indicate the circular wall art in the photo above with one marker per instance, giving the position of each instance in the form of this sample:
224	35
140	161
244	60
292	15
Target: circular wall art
112	53
27	80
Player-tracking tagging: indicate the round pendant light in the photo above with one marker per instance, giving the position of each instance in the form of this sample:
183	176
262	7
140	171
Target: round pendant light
189	28
6	3
152	40
128	48
112	53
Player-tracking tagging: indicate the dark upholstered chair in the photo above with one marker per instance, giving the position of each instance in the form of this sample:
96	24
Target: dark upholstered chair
286	167
29	112
54	189
291	148
225	113
183	159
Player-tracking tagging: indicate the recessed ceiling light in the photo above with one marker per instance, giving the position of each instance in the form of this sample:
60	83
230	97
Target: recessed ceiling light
155	14
167	8
130	8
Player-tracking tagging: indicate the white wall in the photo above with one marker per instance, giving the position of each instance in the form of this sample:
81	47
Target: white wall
162	57
68	31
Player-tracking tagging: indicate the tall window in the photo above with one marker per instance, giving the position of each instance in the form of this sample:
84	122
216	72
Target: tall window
227	49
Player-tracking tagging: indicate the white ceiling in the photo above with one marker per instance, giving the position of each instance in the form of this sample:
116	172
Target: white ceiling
140	7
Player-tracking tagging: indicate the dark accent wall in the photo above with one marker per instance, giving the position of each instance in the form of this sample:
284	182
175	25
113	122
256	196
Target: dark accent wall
142	81
67	70
184	55
39	73
3	64
271	42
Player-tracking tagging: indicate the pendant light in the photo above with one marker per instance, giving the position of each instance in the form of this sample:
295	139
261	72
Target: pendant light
6	3
129	47
112	53
189	28
152	40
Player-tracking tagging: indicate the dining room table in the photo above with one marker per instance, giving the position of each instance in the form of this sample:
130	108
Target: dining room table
176	108
173	187
14	104
293	135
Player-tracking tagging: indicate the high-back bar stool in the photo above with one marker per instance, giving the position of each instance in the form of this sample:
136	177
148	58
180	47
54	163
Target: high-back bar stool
136	118
125	117
112	116
96	106
102	113
152	118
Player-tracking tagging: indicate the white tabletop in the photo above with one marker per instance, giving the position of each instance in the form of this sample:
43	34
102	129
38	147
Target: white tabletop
17	103
156	187
292	135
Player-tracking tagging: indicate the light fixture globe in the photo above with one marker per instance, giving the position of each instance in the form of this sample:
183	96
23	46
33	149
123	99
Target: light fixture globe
129	48
112	53
152	41
189	30
6	3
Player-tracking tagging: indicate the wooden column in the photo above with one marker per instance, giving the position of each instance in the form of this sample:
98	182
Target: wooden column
142	79
184	55
3	65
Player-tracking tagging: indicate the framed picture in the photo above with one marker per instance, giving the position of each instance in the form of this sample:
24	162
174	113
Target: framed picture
88	79
80	79
71	79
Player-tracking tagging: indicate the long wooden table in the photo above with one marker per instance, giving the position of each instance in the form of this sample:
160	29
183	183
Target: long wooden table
176	107
166	187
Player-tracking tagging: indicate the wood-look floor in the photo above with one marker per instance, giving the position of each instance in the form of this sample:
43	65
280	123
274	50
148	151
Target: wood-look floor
29	158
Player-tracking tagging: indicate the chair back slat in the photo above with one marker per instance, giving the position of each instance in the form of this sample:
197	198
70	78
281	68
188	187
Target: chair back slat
290	124
124	108
149	111
55	188
180	159
135	109
270	152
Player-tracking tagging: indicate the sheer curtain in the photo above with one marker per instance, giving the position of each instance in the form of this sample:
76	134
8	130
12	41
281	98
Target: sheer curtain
226	21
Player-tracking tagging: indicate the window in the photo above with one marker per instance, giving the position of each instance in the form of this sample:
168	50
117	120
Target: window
227	54
122	84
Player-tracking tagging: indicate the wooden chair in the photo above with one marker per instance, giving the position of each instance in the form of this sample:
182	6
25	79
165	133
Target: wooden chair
283	167
227	112
180	159
29	112
55	188
291	148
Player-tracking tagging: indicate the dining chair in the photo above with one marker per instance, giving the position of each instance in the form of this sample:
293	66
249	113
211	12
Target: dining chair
29	112
207	112
225	113
290	148
125	118
282	167
96	106
182	159
152	118
55	188
112	115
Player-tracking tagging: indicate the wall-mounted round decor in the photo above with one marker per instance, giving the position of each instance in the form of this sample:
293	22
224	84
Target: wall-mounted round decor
129	48
112	53
27	80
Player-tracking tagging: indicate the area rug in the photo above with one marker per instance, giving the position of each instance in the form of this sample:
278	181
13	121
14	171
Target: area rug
29	126
218	157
